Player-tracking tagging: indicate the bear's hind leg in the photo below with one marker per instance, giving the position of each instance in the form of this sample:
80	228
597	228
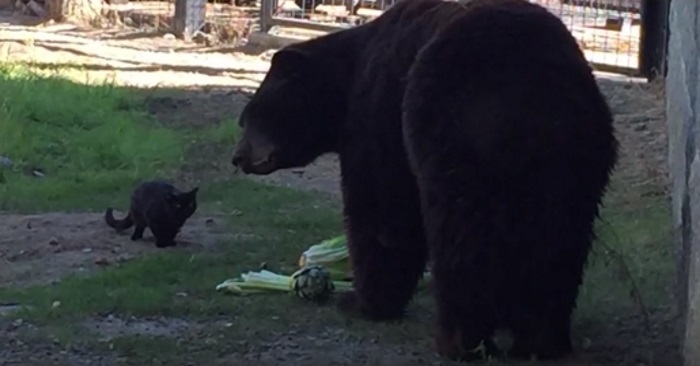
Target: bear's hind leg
550	281
466	317
466	273
542	321
543	334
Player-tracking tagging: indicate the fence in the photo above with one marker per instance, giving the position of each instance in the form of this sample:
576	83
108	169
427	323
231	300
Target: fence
207	21
319	15
617	35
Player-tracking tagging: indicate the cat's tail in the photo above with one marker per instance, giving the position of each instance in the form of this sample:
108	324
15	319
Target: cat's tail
123	224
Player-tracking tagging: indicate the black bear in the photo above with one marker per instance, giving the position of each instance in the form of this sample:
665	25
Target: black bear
471	133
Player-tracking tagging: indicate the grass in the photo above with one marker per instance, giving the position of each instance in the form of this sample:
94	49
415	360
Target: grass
84	139
94	143
148	286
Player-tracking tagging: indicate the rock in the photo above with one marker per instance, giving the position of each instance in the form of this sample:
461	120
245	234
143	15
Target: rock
586	343
202	38
124	257
6	309
5	161
38	172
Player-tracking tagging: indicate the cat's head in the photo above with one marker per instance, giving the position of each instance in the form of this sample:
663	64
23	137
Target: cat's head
184	202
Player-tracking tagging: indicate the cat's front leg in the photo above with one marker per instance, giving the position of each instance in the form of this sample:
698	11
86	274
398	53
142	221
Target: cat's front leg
165	237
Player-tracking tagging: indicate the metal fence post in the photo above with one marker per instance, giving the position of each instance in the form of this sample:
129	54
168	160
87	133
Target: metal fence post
653	38
189	17
267	7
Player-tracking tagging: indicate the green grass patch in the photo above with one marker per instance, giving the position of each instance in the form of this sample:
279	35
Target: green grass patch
225	133
89	140
631	266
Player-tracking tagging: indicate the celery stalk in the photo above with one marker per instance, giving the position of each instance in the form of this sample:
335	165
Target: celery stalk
256	282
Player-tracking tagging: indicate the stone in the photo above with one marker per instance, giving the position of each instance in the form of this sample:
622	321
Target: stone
5	161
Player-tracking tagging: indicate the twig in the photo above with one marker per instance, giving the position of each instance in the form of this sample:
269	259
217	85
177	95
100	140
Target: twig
634	291
37	9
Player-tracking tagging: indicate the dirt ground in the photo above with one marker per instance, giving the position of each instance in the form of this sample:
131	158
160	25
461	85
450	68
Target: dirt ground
45	247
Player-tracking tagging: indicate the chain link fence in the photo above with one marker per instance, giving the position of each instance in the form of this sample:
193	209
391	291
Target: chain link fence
610	32
208	22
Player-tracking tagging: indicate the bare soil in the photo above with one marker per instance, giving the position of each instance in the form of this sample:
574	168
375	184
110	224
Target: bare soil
40	249
43	248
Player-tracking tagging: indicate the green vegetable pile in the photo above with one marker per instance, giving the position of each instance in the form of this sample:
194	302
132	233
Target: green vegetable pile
324	268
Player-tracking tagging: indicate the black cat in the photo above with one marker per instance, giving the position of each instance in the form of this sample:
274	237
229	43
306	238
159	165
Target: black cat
159	206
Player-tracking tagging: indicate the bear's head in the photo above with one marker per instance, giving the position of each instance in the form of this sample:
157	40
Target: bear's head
294	115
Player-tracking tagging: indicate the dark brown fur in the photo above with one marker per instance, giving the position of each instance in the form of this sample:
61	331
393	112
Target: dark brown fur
475	134
158	206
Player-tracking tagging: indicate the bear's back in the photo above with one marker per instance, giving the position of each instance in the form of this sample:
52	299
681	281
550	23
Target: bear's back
390	42
386	49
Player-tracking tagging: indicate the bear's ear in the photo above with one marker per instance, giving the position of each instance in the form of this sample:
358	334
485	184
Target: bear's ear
290	61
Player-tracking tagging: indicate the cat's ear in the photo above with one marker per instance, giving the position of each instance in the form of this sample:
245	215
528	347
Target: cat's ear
194	191
171	197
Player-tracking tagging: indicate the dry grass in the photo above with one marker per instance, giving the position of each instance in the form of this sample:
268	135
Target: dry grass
640	124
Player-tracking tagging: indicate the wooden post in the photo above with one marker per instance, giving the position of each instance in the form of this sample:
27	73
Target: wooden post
189	18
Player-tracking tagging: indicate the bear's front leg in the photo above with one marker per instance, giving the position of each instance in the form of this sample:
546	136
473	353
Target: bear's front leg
387	251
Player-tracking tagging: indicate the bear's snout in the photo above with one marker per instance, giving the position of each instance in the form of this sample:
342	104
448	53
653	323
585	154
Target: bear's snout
254	159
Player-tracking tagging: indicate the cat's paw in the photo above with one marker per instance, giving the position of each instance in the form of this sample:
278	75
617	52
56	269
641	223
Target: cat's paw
165	243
